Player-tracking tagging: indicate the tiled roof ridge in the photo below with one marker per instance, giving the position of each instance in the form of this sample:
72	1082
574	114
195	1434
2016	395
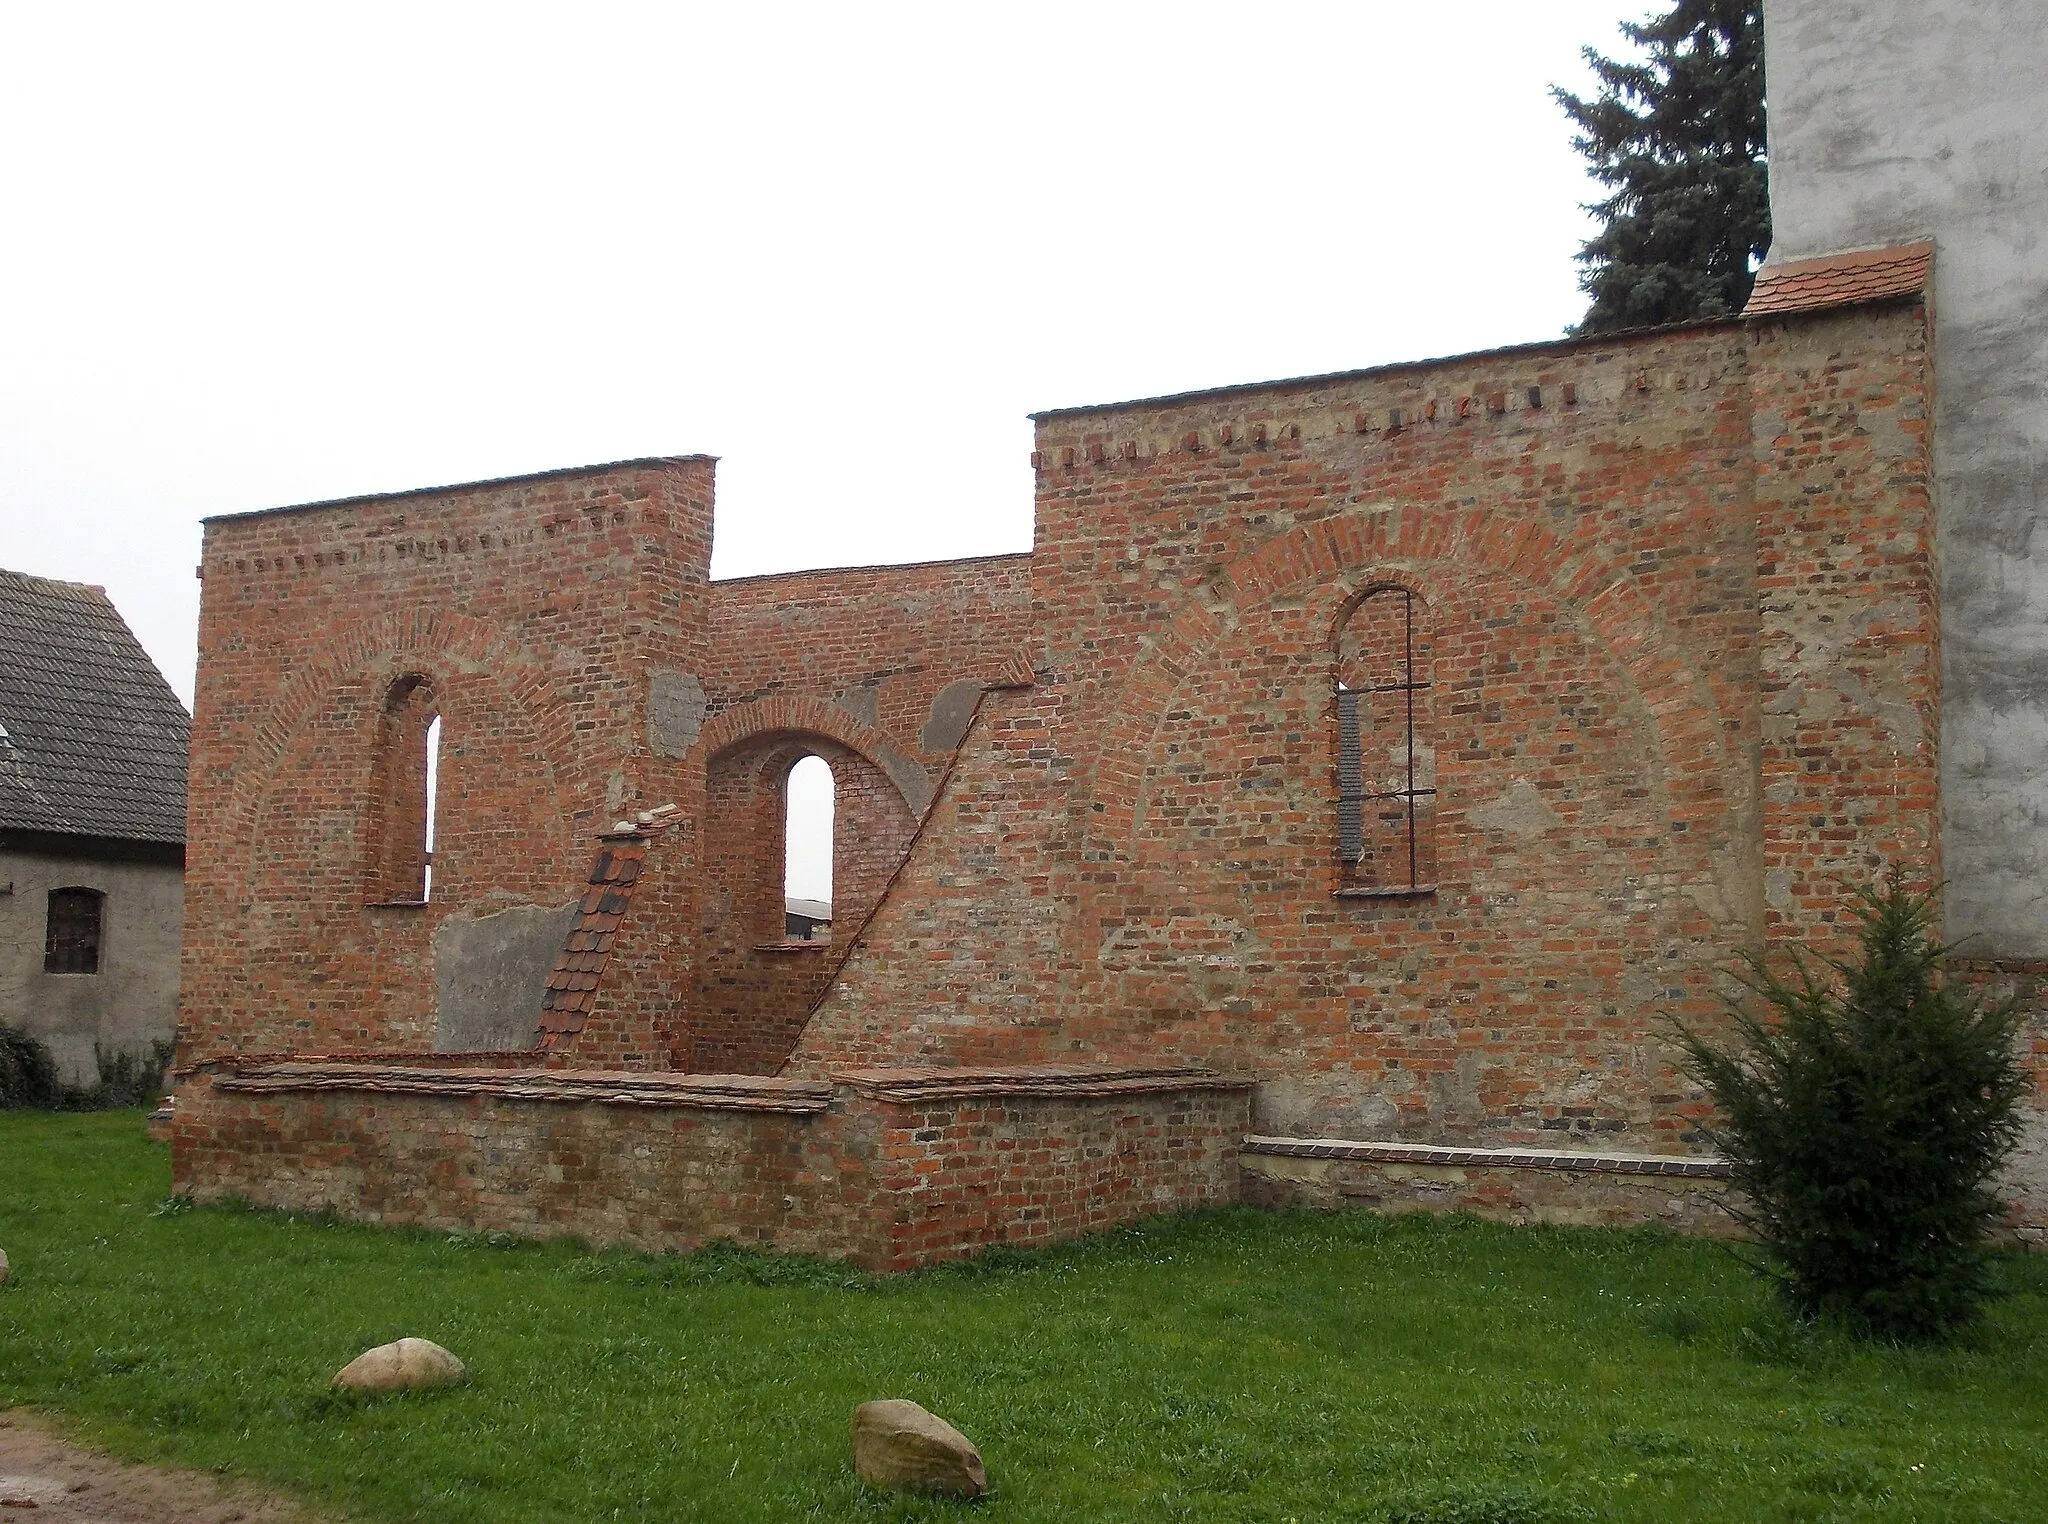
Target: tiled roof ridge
1842	279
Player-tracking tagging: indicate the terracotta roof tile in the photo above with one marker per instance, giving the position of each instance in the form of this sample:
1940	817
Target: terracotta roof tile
1841	280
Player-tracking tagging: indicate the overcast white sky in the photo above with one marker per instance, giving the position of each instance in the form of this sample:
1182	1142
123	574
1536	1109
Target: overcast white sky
268	254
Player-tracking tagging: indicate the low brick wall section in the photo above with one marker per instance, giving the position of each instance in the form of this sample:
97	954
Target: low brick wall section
1518	1185
889	1168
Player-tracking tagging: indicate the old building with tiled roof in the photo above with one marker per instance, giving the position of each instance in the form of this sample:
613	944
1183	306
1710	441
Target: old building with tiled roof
92	827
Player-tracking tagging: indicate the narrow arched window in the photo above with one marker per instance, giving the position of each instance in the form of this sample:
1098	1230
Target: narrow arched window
72	931
807	832
433	766
1386	759
404	784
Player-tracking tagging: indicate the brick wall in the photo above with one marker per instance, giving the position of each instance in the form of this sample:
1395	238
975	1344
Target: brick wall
755	988
1138	857
880	641
534	609
1681	635
547	621
890	1169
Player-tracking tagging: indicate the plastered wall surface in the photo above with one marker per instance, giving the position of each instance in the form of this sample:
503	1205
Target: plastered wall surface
132	1001
1891	122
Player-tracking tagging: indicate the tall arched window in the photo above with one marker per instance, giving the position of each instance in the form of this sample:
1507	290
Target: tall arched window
405	777
807	832
1386	757
433	766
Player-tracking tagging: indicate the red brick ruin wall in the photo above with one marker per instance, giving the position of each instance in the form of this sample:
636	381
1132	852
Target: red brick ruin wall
530	610
1672	661
887	1180
876	672
564	631
1679	591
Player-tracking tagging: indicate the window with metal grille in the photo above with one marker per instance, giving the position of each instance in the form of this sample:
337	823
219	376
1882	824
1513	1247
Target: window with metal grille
71	937
1386	764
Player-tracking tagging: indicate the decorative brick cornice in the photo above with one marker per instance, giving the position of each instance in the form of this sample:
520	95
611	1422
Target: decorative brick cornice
1689	1166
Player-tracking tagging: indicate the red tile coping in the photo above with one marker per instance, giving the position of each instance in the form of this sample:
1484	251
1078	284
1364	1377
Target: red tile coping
1841	280
1060	1081
579	967
710	1092
1692	1166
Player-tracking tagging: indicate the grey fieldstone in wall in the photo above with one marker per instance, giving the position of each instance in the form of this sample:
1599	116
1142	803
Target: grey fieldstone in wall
864	704
952	710
675	711
490	973
1520	811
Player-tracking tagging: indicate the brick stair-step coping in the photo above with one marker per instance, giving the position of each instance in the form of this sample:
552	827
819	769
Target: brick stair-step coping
1695	1166
715	1092
724	1092
1053	1080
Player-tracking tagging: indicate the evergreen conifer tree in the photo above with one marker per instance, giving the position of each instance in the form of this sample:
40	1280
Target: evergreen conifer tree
1678	141
1868	1108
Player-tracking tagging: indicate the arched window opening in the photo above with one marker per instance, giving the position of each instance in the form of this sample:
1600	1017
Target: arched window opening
807	851
433	793
404	789
1386	757
73	930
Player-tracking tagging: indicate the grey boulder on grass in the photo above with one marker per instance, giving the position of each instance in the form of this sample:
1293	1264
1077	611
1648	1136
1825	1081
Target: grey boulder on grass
3	1267
899	1446
406	1366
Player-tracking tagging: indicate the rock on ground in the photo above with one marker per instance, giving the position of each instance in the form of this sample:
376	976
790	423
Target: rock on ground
900	1446
3	1266
406	1366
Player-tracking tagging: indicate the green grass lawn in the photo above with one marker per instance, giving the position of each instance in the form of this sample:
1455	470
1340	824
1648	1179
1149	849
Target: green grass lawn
1224	1366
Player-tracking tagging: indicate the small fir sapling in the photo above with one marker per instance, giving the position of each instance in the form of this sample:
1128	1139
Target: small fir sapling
1867	1108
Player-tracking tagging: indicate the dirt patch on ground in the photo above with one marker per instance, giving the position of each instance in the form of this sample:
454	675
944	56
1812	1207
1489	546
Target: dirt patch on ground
46	1478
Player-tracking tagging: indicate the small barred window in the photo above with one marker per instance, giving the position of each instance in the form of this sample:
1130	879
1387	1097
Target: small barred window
1386	762
71	936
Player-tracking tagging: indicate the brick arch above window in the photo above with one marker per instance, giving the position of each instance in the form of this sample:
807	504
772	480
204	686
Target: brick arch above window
1584	577
799	715
373	653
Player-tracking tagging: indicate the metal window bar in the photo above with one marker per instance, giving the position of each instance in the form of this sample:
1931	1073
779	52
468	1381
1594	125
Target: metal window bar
71	936
1350	779
1351	795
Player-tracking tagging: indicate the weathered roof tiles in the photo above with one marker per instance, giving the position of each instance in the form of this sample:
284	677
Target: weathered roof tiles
92	739
1841	280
